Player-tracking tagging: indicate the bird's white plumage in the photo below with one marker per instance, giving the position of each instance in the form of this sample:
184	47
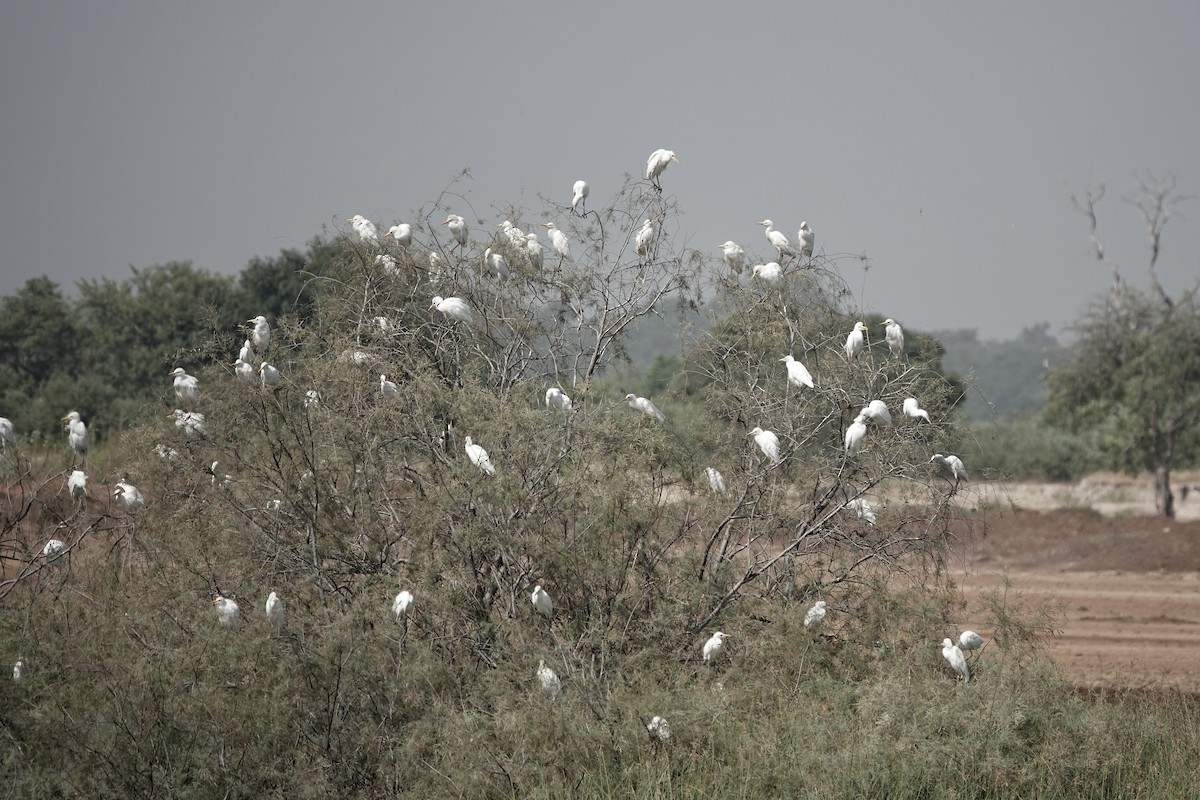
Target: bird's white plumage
260	335
657	162
247	352
364	228
401	233
54	549
912	409
734	255
534	249
798	374
558	240
645	406
454	307
18	667
855	341
312	399
479	457
548	681
244	371
268	375
8	432
77	484
495	264
557	399
877	412
402	604
388	388
77	433
954	656
274	609
778	239
129	496
644	240
716	481
579	193
862	508
658	728
770	273
815	616
187	387
228	612
190	422
514	235
712	647
768	443
950	464
855	434
542	602
970	640
457	227
894	335
807	240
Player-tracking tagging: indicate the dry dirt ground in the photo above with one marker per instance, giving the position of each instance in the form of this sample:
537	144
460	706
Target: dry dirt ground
1127	582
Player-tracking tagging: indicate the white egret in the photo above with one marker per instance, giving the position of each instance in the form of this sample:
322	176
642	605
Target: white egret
479	457
807	240
17	668
77	484
952	654
495	264
364	228
515	236
658	728
815	616
388	388
190	422
558	240
534	249
777	239
798	374
735	256
187	388
436	266
244	371
542	602
54	549
951	464
226	480
579	194
854	435
247	352
855	341
712	647
260	335
645	238
862	508
970	640
770	273
645	406
402	233
877	411
275	610
311	399
129	496
268	374
8	432
454	307
550	685
716	481
557	399
77	433
458	228
768	442
656	163
402	605
228	612
895	336
388	264
913	410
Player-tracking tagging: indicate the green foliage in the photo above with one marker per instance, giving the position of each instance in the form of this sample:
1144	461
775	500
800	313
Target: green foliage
1029	448
1006	377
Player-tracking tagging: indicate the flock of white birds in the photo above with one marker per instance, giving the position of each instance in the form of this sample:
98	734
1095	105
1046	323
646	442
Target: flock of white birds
254	349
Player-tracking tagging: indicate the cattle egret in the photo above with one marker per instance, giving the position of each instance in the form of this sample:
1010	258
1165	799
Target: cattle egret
777	238
656	163
556	399
458	228
479	457
244	371
534	249
403	604
716	481
558	240
645	406
364	228
275	610
247	352
389	265
550	685
542	602
190	422
454	307
8	432
228	612
712	648
77	433
129	497
970	640
388	388
770	272
658	728
77	484
855	340
862	508
913	410
815	616
579	194
495	264
877	411
952	654
895	337
645	238
402	233
515	236
268	374
187	388
54	549
260	336
768	442
855	434
807	239
798	374
17	667
951	464
735	256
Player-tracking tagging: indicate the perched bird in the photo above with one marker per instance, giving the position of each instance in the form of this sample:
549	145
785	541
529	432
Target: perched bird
458	228
388	388
862	508
311	399
534	249
226	480
913	410
403	604
807	239
8	432
479	457
557	399
187	388
515	236
454	307
550	685
542	602
645	406
77	433
558	240
437	265
658	728
656	163
275	610
815	616
777	239
712	648
770	272
17	668
579	194
877	411
798	374
247	352
735	256
970	640
77	484
190	422
854	435
260	335
951	464
228	612
645	238
855	341
402	233
388	264
129	497
54	549
952	654
768	442
895	336
268	374
495	264
716	481
244	371
364	228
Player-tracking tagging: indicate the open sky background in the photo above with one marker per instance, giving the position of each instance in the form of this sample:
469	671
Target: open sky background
938	138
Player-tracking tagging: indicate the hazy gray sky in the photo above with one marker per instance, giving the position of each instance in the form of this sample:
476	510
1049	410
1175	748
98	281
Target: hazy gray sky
937	138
